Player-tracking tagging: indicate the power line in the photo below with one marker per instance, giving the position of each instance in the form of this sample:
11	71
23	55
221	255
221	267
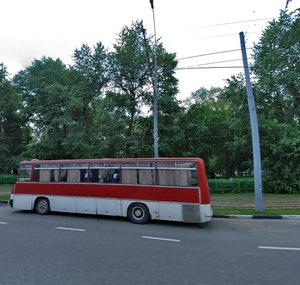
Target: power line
211	53
209	67
224	35
214	62
236	22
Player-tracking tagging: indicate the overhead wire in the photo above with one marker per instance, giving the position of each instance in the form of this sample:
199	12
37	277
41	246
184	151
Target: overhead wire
208	54
236	22
215	62
204	66
210	67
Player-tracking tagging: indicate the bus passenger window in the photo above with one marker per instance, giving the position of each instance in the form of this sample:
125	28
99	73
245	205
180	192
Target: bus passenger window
102	176
63	175
194	178
94	175
45	175
116	176
129	176
147	177
73	176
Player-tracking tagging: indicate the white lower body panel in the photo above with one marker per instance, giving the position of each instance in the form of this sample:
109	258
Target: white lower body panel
168	211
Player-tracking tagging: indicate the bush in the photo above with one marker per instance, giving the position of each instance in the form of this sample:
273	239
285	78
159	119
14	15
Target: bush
8	179
231	185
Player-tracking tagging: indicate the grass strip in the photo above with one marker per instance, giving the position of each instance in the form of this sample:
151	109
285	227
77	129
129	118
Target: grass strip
227	211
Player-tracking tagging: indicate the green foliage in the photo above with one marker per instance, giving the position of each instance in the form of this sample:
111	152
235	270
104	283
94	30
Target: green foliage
278	93
131	71
277	68
13	131
8	179
282	158
231	185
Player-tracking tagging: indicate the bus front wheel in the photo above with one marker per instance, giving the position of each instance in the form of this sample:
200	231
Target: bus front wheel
42	206
138	213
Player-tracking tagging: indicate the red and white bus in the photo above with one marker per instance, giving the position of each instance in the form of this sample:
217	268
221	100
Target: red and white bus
173	189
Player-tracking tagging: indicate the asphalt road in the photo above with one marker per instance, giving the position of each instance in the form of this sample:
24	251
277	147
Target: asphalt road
77	249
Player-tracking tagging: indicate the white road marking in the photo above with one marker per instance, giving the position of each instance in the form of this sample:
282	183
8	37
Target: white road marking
279	248
70	229
3	223
164	239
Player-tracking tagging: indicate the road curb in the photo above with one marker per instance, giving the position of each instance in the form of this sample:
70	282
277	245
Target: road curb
262	217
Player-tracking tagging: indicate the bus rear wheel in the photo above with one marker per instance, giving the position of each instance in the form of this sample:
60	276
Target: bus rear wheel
138	213
42	206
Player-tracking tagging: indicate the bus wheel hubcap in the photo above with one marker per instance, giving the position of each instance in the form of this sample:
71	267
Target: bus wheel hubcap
42	206
138	213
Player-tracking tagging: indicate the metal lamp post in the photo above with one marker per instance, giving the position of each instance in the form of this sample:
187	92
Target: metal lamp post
155	90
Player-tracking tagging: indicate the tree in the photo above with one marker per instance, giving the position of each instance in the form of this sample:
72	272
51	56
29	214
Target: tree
13	131
240	146
277	68
89	76
207	131
130	73
44	88
131	78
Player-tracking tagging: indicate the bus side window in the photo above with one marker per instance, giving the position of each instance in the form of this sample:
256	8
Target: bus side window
94	175
147	177
175	177
129	176
45	175
73	176
24	175
116	176
102	176
63	175
194	178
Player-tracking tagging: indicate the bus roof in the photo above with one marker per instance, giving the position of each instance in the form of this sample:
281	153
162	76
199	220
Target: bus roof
35	161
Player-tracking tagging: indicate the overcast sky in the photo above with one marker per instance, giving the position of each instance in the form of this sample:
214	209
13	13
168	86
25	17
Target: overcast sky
33	28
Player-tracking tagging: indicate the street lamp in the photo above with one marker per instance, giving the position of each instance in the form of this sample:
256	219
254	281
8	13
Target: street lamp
155	90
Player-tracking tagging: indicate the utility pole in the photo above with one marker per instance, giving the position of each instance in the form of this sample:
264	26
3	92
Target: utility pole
287	4
155	90
254	131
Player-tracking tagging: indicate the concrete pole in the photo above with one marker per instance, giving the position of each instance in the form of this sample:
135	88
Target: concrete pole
254	131
155	89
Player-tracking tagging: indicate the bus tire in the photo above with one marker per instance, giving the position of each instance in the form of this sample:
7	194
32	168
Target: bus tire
42	206
138	213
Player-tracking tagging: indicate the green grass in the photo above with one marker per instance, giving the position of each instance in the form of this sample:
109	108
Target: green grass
244	204
5	190
228	211
4	197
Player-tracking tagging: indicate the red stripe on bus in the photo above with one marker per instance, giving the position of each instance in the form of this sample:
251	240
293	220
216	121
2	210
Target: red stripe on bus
119	191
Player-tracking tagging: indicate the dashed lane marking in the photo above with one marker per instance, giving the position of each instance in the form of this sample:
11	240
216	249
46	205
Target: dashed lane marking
163	239
70	229
279	248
